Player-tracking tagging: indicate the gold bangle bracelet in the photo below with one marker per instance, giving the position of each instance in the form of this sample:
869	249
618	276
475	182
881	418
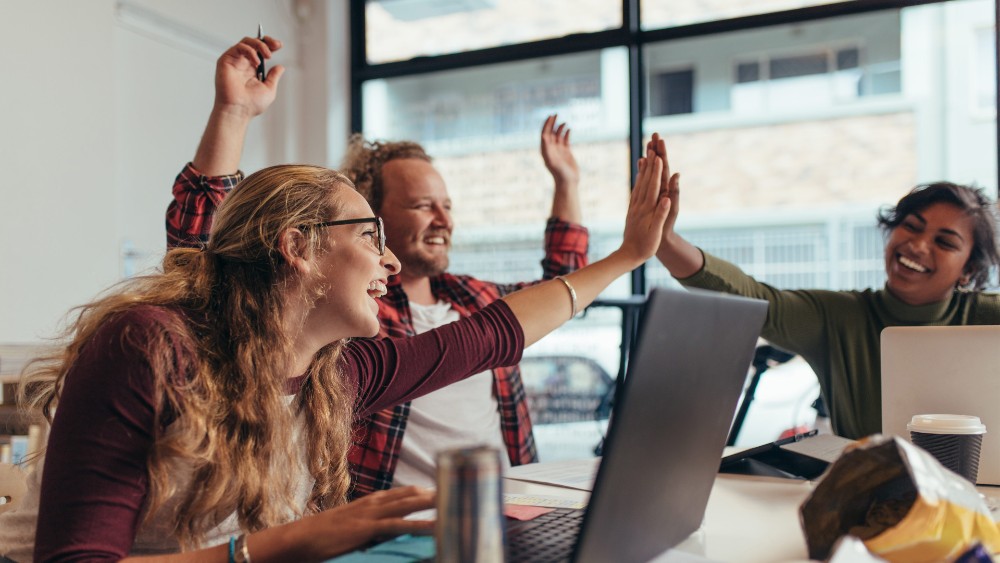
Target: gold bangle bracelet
572	294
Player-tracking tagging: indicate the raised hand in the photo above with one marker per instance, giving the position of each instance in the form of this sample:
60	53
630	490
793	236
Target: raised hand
559	160
239	97
236	85
679	256
670	182
557	154
648	209
542	308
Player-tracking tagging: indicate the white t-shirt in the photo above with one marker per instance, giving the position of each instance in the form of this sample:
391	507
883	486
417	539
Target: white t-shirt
459	415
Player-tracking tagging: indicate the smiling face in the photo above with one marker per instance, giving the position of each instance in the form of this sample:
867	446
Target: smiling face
353	274
417	213
927	254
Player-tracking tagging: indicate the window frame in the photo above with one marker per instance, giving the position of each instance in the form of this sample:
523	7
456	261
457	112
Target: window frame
629	35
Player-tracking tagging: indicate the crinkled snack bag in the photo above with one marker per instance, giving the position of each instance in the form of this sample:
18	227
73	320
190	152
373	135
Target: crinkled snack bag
900	501
975	554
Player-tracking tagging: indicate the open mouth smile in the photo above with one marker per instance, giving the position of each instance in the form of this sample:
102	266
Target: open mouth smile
912	265
376	289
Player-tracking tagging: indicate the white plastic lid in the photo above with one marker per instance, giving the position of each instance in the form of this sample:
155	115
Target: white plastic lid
946	424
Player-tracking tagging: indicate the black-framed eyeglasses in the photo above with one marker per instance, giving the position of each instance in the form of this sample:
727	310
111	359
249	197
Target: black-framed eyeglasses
379	229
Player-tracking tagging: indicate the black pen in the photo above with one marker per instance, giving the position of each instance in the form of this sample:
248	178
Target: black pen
261	73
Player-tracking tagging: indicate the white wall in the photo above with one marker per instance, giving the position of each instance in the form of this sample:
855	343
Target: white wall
102	102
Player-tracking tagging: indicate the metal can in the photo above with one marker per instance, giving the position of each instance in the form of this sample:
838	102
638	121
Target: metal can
470	524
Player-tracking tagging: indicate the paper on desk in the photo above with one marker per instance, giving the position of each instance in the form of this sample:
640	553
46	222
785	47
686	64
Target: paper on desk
824	447
547	501
573	474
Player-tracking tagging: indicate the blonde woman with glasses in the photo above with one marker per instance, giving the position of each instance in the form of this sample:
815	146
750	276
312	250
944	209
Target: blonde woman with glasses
204	413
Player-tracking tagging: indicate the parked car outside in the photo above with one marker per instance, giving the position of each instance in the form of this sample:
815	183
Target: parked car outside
570	377
569	398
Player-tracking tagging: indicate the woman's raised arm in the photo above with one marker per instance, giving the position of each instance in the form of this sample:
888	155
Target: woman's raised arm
544	307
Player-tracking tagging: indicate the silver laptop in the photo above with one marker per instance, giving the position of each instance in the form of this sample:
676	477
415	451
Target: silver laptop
944	370
668	429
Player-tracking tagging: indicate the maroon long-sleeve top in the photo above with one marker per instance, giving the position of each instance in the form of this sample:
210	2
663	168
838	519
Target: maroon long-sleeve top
95	479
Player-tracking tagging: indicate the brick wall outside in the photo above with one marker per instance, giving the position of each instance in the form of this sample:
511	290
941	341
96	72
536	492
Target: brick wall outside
868	159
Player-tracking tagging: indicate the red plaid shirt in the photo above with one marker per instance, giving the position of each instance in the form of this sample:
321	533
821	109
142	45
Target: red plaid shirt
377	439
189	215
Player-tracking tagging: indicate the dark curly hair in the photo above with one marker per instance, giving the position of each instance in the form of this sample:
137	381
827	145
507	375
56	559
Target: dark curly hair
364	160
985	255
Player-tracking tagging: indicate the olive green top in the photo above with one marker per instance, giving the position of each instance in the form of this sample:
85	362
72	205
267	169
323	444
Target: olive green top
837	333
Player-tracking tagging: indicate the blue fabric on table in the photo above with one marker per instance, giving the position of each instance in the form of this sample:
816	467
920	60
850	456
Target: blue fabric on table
398	550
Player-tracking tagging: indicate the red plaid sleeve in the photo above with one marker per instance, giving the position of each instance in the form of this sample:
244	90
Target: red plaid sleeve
196	196
565	248
377	439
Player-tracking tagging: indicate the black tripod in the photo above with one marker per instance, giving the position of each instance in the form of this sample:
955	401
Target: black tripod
764	357
631	308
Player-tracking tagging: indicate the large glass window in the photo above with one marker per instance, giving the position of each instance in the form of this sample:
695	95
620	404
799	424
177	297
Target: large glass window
403	29
672	13
482	127
789	138
799	134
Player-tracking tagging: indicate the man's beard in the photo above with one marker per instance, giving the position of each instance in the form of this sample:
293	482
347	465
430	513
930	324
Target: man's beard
422	266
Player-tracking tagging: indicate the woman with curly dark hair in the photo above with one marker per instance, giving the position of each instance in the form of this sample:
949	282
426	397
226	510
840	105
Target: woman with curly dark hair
941	245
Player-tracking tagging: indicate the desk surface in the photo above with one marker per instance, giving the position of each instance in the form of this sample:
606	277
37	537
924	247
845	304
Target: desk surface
748	519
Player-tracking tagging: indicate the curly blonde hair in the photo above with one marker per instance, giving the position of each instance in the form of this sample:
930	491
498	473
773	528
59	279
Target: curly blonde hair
220	369
364	160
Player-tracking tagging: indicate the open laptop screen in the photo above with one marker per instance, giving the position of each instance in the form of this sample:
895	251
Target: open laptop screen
670	426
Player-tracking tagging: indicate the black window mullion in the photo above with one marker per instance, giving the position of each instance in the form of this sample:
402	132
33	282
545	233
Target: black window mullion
637	102
570	44
359	60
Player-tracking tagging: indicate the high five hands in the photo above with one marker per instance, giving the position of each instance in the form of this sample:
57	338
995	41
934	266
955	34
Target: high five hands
669	182
649	206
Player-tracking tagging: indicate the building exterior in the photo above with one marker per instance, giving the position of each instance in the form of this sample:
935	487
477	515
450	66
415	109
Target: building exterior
789	138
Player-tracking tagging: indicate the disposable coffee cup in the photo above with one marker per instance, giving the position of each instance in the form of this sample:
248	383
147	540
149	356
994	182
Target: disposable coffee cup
953	439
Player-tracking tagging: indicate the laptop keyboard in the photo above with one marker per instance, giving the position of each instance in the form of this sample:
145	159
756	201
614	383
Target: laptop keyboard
549	537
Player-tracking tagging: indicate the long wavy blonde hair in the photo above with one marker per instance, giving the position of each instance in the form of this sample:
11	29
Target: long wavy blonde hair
221	407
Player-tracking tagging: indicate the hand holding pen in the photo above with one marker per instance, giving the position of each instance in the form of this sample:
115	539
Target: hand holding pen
242	85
